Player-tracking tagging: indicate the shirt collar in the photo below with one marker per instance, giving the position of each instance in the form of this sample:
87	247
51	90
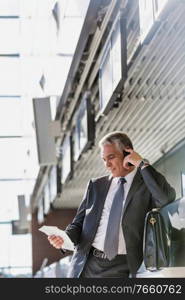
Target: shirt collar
129	177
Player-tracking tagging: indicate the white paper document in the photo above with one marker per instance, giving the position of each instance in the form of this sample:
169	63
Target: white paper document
54	230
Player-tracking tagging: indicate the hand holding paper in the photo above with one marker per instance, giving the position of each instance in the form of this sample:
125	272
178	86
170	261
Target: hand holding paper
53	230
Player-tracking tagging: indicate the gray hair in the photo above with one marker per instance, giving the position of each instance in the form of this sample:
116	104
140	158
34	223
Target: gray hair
120	139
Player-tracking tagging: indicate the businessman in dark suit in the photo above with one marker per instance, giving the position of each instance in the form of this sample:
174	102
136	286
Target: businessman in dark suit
108	227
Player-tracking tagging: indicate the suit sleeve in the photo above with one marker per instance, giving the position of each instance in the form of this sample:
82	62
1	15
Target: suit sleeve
161	191
74	229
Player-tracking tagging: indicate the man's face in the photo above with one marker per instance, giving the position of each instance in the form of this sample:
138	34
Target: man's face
113	160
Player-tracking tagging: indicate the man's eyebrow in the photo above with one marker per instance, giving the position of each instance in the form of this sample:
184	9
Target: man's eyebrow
108	155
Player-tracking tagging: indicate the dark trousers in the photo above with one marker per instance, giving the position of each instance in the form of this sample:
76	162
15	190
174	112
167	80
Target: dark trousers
97	267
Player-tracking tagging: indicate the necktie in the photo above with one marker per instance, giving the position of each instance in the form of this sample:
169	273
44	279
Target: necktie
113	227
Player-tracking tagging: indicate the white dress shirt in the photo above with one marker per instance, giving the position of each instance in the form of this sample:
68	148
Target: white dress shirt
101	232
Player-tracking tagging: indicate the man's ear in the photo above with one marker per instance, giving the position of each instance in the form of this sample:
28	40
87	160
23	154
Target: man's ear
125	153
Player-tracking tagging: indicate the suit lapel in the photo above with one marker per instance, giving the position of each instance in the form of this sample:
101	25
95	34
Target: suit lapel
137	181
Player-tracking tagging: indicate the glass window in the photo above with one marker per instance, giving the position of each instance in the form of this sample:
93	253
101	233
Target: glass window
5	234
13	155
10	7
83	134
20	271
76	138
83	130
53	105
106	86
66	159
57	68
183	184
20	250
10	42
40	212
53	183
9	203
146	15
158	6
46	199
76	8
116	56
10	76
11	125
69	35
16	250
110	67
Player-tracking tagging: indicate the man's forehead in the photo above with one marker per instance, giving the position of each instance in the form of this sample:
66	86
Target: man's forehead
108	150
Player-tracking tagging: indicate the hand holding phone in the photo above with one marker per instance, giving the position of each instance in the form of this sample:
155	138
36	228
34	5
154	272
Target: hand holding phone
125	153
134	157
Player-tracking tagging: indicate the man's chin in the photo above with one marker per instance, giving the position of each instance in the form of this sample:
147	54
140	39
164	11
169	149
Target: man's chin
114	174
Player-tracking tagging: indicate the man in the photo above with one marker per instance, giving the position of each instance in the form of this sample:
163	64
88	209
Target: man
108	227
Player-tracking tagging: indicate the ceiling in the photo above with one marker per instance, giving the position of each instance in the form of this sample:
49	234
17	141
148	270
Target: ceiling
152	107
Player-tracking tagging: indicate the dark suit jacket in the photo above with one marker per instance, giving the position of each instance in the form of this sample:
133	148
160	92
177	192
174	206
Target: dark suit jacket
149	189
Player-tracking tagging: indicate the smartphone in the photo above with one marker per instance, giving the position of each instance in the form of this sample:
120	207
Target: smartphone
125	153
